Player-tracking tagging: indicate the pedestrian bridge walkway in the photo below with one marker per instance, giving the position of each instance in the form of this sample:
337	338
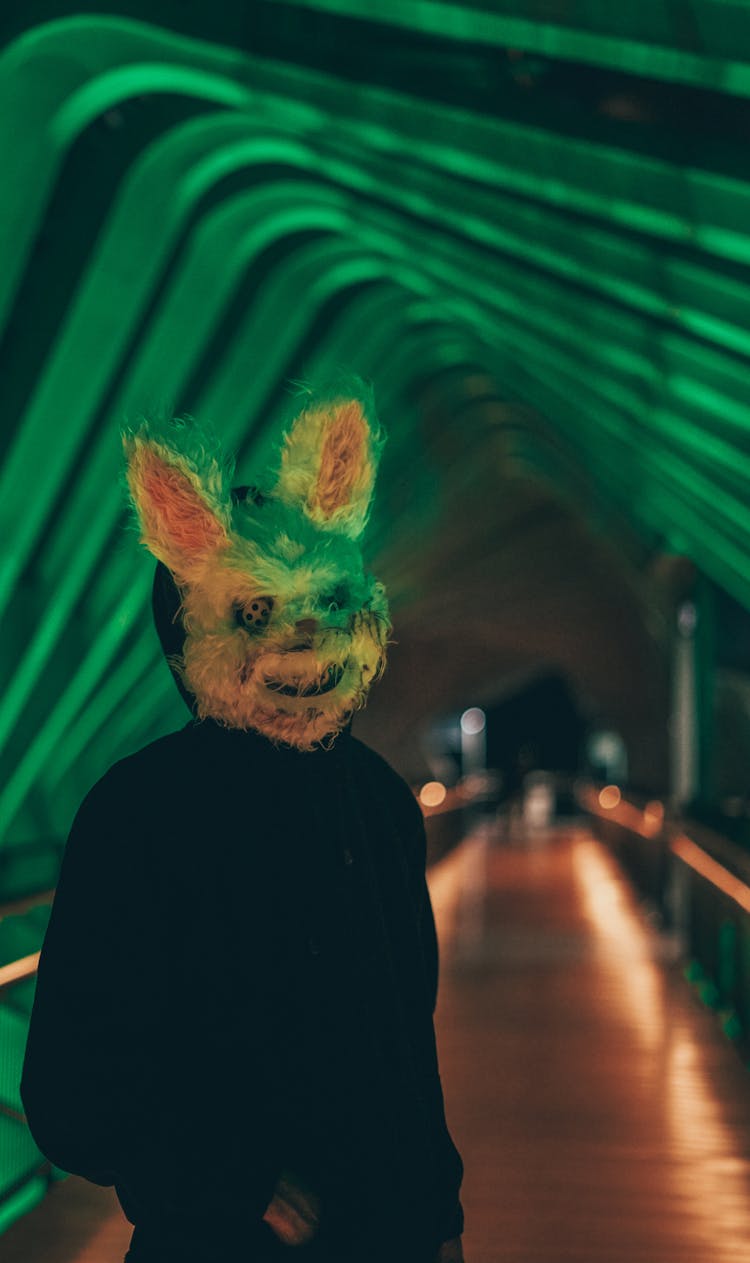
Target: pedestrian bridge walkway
601	1113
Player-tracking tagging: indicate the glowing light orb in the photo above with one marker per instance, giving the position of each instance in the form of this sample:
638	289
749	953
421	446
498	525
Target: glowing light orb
653	817
472	721
432	794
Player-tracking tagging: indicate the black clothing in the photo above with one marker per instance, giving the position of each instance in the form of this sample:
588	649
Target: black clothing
238	976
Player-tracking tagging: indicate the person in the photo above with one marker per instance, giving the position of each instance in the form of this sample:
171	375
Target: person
233	1021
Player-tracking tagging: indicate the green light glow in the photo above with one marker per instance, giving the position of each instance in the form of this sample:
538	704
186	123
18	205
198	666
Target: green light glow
634	38
294	224
22	1201
277	221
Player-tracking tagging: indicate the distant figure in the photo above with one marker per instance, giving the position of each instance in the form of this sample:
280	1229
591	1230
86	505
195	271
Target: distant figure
233	1020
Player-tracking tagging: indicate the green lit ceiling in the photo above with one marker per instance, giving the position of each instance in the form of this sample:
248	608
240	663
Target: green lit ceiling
527	224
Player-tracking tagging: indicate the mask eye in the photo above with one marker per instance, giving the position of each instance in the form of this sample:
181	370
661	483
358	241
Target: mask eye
337	599
255	615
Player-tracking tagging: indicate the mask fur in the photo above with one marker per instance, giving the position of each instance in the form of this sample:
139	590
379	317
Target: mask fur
284	630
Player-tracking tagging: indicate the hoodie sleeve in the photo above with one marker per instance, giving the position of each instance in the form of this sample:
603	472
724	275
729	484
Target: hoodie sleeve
450	1215
104	1093
417	863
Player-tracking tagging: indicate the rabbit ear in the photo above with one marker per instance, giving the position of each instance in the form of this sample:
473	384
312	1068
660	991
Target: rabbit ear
329	462
180	494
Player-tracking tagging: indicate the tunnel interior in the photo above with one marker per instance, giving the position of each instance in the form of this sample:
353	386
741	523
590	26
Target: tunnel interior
537	259
526	230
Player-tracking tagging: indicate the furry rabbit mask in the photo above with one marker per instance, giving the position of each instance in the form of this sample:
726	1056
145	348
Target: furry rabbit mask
284	630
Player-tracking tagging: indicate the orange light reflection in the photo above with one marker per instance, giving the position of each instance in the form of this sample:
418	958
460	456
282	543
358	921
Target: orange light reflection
714	872
609	797
703	1133
18	970
433	794
625	813
621	939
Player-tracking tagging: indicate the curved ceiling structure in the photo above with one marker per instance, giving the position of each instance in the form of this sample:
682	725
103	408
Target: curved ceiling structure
505	222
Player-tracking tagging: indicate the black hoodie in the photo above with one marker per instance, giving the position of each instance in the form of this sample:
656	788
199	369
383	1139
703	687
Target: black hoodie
239	976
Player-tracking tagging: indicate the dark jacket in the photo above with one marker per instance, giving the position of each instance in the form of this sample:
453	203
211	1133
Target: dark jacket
239	975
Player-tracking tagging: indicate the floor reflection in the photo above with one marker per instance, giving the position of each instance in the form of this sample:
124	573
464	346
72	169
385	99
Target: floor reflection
601	1113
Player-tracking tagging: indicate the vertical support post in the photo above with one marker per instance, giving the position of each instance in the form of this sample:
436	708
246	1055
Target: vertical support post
683	727
473	741
705	686
691	724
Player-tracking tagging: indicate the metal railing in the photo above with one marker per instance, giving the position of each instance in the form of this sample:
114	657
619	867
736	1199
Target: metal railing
699	882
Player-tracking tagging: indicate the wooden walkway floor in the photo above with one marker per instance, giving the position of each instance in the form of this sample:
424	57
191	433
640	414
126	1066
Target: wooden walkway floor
601	1114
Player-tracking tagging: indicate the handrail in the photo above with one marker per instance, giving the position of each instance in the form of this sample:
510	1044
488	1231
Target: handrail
18	970
646	821
648	824
16	906
710	870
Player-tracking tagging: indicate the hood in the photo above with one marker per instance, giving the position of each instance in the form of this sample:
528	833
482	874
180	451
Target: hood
165	603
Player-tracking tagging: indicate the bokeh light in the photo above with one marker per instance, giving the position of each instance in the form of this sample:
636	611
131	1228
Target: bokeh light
432	794
609	797
653	817
473	721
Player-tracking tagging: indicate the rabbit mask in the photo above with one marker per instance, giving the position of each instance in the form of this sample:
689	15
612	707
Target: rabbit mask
284	630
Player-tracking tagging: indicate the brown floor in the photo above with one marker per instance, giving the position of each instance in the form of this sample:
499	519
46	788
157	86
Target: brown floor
602	1116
